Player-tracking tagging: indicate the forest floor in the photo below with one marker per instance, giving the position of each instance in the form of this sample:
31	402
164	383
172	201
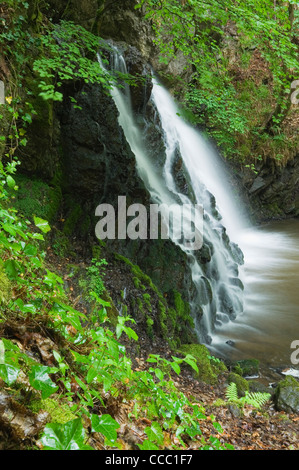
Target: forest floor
245	429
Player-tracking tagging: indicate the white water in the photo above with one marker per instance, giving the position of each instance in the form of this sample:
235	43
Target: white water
270	321
256	329
201	164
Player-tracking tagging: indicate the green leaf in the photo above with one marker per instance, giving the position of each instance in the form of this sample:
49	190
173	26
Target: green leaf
40	380
30	250
68	436
176	367
11	268
155	433
218	427
9	373
191	361
105	425
42	224
159	374
10	181
147	445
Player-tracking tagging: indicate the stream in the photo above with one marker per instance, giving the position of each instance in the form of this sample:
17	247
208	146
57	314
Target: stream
270	321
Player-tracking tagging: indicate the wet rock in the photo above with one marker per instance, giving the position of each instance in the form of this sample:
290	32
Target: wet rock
286	397
246	367
275	192
18	420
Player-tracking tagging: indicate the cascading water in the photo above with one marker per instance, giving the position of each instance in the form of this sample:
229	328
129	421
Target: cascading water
218	289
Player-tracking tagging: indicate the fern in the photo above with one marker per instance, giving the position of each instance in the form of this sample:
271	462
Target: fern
256	399
232	392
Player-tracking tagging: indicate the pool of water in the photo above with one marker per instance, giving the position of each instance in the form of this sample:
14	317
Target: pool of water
270	321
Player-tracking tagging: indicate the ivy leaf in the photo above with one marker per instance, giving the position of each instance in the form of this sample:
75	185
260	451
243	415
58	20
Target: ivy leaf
147	445
218	427
105	425
9	373
68	436
42	224
40	380
155	433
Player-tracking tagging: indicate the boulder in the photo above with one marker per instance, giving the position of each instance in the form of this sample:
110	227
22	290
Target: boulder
286	396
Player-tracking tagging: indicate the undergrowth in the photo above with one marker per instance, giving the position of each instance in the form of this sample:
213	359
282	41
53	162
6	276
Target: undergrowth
49	350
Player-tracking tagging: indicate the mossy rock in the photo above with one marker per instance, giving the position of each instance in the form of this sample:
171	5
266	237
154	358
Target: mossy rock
246	367
171	314
286	397
35	197
241	383
208	370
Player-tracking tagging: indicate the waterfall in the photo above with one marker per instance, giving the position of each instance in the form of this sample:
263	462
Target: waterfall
218	290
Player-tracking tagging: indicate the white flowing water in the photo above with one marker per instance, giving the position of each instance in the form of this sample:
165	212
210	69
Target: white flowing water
269	321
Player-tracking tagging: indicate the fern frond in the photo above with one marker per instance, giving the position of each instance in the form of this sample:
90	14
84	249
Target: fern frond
256	399
232	392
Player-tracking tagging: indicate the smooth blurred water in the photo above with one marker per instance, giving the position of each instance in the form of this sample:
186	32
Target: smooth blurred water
270	321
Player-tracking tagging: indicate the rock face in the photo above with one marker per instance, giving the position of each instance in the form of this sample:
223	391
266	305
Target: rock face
274	192
98	162
99	166
287	395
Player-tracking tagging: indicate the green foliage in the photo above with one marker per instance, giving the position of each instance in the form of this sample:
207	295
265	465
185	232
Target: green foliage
94	277
68	436
208	368
201	32
94	363
255	399
69	54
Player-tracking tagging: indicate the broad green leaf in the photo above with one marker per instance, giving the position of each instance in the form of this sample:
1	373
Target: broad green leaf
218	427
191	361
159	374
40	380
30	250
176	367
147	445
42	224
68	436
11	268
105	425
155	433
10	181
9	373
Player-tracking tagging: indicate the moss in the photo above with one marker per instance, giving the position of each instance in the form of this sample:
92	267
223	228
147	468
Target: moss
61	244
59	413
246	367
207	371
140	306
136	282
72	220
35	197
5	287
149	324
147	301
173	320
241	383
97	250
